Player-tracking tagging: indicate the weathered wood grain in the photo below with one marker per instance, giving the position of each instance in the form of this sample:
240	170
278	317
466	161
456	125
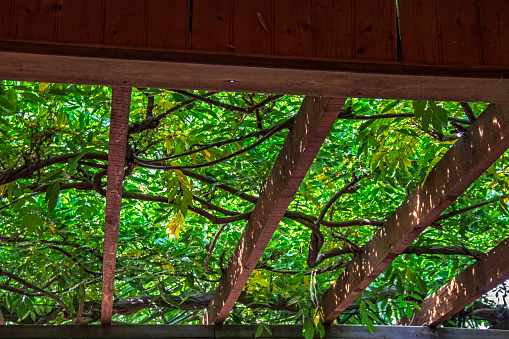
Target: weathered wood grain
477	279
495	31
211	28
375	30
333	29
119	119
239	331
35	19
81	21
309	129
483	143
168	24
293	27
253	26
459	29
124	23
116	66
420	41
5	18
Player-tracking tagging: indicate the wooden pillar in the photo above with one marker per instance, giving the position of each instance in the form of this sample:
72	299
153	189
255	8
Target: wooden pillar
119	119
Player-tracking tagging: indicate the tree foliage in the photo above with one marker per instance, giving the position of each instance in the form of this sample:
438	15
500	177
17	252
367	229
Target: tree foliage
195	164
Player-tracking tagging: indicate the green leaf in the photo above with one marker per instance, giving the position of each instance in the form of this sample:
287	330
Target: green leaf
267	328
309	329
382	129
390	106
31	222
419	107
407	132
52	196
259	331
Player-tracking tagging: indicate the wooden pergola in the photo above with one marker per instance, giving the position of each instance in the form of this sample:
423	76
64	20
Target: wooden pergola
328	50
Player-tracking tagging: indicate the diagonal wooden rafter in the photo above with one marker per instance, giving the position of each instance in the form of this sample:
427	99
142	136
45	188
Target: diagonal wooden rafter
307	133
477	279
483	143
119	120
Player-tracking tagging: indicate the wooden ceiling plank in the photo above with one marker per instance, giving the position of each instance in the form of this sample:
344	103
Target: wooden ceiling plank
483	143
309	129
477	279
120	106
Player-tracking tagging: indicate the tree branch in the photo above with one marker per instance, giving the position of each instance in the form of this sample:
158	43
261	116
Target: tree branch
213	102
36	288
468	111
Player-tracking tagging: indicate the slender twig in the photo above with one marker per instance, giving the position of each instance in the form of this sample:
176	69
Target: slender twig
211	248
348	116
468	111
26	171
69	255
214	207
44	188
272	131
335	197
205	147
469	208
264	102
219	185
417	250
36	288
80	307
153	122
213	102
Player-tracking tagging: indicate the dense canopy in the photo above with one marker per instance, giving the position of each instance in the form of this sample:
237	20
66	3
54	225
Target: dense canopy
196	162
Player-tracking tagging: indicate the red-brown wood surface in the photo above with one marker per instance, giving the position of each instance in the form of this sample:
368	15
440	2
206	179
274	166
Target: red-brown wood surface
81	21
494	16
5	18
119	119
460	32
293	27
420	41
309	129
168	24
212	25
453	32
118	66
483	143
253	29
124	22
35	19
375	29
333	29
476	280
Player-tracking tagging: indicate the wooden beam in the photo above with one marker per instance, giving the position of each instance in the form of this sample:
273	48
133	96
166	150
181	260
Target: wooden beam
119	119
141	67
483	143
309	129
239	331
479	278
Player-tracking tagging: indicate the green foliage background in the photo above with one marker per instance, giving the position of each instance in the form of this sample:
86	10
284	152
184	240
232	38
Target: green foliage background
54	240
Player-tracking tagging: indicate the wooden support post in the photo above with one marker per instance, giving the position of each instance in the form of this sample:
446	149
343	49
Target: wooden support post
119	119
483	143
480	277
307	133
